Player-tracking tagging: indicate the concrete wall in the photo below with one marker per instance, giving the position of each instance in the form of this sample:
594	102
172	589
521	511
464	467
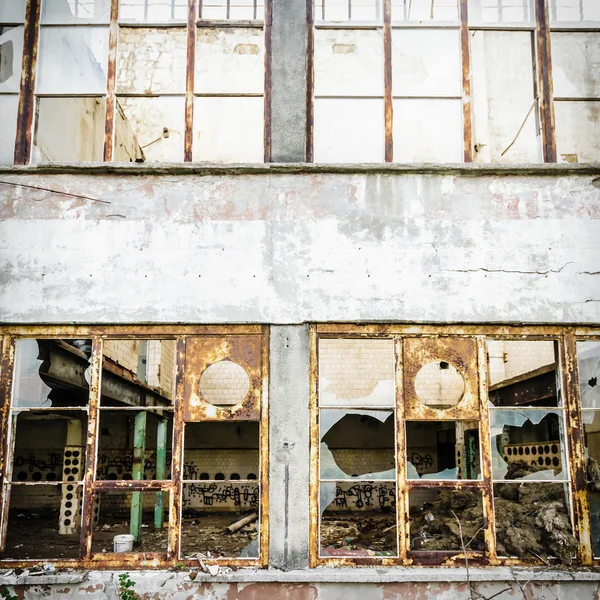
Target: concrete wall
289	248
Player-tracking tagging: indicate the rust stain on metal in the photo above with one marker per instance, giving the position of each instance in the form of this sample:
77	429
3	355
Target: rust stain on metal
458	352
402	501
155	332
6	366
264	453
407	330
268	57
202	352
576	445
314	510
188	138
544	68
310	80
387	71
466	81
27	98
95	383
109	125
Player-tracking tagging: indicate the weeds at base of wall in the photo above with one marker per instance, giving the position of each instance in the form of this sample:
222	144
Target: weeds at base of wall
126	588
7	595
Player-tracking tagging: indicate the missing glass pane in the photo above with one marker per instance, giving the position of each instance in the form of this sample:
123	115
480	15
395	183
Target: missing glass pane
49	446
588	360
9	106
11	56
134	445
140	515
523	373
533	521
75	11
358	519
44	521
446	519
442	450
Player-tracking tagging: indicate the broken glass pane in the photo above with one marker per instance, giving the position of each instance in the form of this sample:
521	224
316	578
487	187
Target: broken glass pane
12	11
138	373
229	130
576	64
357	444
11	56
574	12
44	521
591	426
527	444
153	11
523	373
220	519
143	515
446	519
424	10
504	106
49	446
501	12
134	445
149	129
229	61
75	11
426	62
356	372
358	519
51	373
72	60
9	107
533	521
151	60
578	131
588	359
348	62
221	451
442	450
69	130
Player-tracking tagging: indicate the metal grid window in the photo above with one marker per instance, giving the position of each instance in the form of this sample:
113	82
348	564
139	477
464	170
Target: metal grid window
135	81
133	448
453	81
438	445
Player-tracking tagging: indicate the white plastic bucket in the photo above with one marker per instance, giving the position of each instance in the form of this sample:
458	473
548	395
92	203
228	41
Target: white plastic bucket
123	543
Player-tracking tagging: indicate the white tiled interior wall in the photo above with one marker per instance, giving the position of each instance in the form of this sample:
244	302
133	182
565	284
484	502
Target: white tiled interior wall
354	367
436	385
225	382
124	353
508	359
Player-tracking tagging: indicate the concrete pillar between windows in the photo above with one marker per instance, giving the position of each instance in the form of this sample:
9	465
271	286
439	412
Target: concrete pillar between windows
288	78
289	447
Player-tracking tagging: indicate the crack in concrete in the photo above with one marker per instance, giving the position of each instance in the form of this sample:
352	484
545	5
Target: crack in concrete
509	270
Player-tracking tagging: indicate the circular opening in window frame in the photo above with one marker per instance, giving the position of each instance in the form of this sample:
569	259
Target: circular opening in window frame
439	385
224	384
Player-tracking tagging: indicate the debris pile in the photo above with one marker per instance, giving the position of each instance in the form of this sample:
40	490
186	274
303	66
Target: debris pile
433	526
358	533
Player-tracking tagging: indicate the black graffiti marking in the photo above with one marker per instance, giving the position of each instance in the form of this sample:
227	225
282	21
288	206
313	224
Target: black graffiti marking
214	494
365	495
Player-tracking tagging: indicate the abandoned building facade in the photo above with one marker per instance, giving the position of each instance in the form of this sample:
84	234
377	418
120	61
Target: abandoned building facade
300	299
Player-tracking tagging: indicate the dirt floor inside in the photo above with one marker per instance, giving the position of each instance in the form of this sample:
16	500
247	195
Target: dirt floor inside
358	534
34	535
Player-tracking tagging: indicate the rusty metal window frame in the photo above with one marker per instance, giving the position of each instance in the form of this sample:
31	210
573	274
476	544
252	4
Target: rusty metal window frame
28	97
565	338
541	73
92	485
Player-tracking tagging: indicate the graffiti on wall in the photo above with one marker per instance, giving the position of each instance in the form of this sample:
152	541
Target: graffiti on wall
44	466
365	496
119	465
212	494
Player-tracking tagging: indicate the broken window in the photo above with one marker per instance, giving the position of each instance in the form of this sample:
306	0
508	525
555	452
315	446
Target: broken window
99	466
576	80
457	445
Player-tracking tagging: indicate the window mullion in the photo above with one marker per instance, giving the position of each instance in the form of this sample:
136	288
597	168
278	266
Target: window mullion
575	445
402	504
486	456
95	383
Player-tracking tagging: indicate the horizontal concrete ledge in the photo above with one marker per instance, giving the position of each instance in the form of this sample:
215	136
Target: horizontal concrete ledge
328	575
207	169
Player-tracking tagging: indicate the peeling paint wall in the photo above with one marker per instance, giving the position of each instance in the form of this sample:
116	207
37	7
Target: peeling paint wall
286	248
